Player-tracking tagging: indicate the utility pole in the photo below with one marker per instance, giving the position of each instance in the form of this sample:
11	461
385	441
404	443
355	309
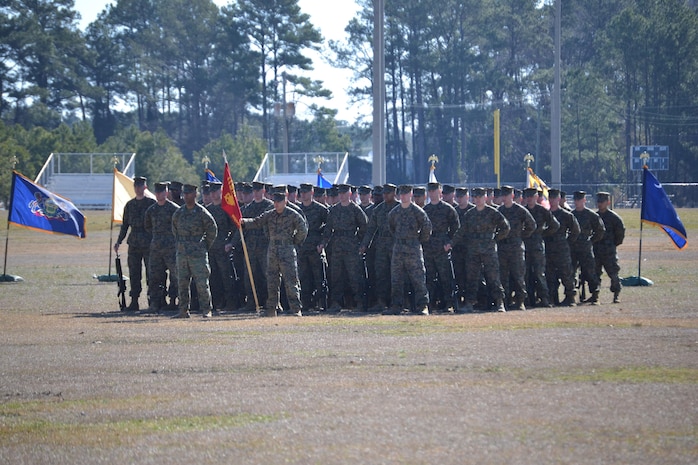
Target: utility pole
555	123
378	170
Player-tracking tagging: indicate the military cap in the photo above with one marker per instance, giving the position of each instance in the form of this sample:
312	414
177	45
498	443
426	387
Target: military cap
404	189
139	181
530	192
292	189
175	186
489	191
603	196
279	188
563	194
268	186
479	191
278	196
461	191
432	186
497	192
419	191
507	190
205	188
553	193
389	187
319	192
257	186
247	187
305	187
343	188
353	189
378	190
189	189
161	186
215	185
578	195
363	190
448	189
332	192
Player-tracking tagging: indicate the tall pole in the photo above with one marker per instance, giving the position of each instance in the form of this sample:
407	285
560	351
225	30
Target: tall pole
378	174
555	123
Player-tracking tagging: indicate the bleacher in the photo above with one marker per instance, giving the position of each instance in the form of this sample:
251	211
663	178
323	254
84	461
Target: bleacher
86	191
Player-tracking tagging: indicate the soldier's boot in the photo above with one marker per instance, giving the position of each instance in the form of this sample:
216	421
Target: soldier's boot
270	312
569	301
133	306
182	314
499	306
519	304
334	308
594	299
394	310
616	297
424	310
378	307
545	302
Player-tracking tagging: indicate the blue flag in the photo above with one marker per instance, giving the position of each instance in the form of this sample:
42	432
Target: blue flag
210	177
658	210
321	181
33	207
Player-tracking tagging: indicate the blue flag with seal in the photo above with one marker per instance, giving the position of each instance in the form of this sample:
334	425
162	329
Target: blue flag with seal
321	181
658	210
33	207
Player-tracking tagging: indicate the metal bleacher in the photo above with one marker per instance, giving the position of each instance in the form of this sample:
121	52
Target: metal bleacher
86	179
296	168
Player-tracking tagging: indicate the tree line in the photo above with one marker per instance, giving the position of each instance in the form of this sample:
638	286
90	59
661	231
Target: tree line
177	80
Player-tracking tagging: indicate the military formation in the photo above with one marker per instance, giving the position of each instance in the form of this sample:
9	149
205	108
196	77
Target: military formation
387	249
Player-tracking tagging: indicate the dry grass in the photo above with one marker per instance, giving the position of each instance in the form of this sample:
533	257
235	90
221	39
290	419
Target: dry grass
81	382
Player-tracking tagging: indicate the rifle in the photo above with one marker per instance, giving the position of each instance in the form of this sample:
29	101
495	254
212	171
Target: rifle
454	285
325	288
367	283
122	284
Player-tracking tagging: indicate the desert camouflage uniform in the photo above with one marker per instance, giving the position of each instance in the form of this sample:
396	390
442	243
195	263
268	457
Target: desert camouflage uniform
162	257
345	227
591	230
605	253
444	224
546	225
380	238
138	242
510	251
481	230
287	230
411	228
310	262
194	230
220	259
557	255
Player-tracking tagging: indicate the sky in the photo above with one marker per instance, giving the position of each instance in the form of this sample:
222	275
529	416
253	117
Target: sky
329	17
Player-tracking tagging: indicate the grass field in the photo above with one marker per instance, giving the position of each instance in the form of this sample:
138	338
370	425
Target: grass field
80	382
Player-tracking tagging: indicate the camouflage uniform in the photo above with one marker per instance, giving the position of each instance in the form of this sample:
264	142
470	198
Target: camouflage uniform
546	225
346	227
287	230
220	259
481	230
162	258
591	231
458	254
257	242
194	230
310	262
558	259
138	242
510	252
380	238
411	228
444	224
605	254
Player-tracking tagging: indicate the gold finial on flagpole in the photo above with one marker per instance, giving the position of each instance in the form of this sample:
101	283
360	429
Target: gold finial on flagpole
205	160
433	159
528	159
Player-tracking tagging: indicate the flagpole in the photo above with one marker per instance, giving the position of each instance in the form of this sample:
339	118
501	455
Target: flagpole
8	278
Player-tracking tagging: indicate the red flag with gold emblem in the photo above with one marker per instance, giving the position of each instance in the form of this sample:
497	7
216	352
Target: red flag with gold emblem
230	202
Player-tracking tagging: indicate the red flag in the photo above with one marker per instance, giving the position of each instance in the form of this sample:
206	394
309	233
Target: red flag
230	202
